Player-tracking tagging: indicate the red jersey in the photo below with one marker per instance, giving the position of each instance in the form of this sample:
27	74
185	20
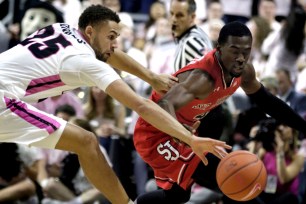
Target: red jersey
173	162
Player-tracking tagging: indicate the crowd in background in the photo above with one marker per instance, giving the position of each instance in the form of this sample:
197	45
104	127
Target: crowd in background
29	175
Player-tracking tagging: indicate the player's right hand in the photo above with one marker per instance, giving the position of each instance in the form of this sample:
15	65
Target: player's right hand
203	145
163	82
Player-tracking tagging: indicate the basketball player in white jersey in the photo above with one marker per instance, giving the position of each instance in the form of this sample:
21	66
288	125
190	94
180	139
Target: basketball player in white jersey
59	58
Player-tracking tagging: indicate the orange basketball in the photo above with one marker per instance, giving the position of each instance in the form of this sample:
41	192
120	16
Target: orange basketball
241	175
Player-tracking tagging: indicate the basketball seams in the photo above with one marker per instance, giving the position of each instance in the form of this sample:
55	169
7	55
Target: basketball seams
237	170
251	183
233	155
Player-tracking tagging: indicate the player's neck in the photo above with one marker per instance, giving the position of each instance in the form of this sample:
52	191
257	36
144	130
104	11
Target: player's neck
227	77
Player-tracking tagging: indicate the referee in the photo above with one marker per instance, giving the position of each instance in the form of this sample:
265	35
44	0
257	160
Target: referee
192	41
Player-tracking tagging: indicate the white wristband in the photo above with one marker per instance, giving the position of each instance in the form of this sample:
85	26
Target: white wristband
130	202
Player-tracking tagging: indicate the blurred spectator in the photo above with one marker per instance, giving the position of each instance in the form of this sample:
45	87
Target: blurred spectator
214	11
136	6
301	82
115	5
126	43
287	92
260	30
71	9
267	10
214	27
157	10
231	13
69	98
106	116
160	50
282	162
283	9
285	46
18	174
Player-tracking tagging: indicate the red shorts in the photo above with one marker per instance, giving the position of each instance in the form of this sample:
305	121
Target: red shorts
172	162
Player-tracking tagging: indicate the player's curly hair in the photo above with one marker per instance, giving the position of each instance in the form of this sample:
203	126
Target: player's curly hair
234	28
95	14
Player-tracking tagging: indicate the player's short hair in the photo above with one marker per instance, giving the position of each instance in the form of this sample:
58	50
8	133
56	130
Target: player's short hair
95	14
192	5
236	29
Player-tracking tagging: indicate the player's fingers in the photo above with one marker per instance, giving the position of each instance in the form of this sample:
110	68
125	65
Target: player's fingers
222	144
221	151
217	153
203	158
227	146
195	126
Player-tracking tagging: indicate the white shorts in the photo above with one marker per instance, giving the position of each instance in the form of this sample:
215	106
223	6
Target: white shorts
22	123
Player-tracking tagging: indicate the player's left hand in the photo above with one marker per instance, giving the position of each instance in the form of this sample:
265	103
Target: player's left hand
202	145
163	82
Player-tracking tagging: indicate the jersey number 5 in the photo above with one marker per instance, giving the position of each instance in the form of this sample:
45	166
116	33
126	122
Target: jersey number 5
46	48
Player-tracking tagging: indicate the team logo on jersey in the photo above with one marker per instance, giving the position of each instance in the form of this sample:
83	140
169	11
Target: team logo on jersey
217	89
201	106
168	151
221	100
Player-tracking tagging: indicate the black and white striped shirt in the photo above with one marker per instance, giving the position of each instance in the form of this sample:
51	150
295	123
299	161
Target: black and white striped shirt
194	43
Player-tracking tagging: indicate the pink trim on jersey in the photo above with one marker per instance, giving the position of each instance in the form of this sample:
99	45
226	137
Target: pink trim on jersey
35	118
45	83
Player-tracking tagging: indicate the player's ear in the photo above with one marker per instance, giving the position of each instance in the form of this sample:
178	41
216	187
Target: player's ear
218	48
89	31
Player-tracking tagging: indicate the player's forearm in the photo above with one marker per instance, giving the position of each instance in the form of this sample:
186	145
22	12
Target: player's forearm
163	121
278	109
123	62
164	104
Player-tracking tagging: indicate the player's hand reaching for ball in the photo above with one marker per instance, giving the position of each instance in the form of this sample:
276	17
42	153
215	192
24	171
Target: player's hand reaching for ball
201	146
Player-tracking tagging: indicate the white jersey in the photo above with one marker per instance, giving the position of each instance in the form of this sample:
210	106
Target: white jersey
47	63
50	61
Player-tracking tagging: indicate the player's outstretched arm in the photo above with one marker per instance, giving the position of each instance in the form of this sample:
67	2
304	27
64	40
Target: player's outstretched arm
272	105
163	121
159	82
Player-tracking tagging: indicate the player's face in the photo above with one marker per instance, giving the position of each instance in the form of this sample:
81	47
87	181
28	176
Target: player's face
104	39
180	19
235	54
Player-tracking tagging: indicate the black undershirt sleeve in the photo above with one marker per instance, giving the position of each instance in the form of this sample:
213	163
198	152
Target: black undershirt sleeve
278	109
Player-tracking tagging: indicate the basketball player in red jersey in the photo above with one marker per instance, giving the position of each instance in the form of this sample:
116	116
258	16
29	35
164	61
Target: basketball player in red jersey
203	84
